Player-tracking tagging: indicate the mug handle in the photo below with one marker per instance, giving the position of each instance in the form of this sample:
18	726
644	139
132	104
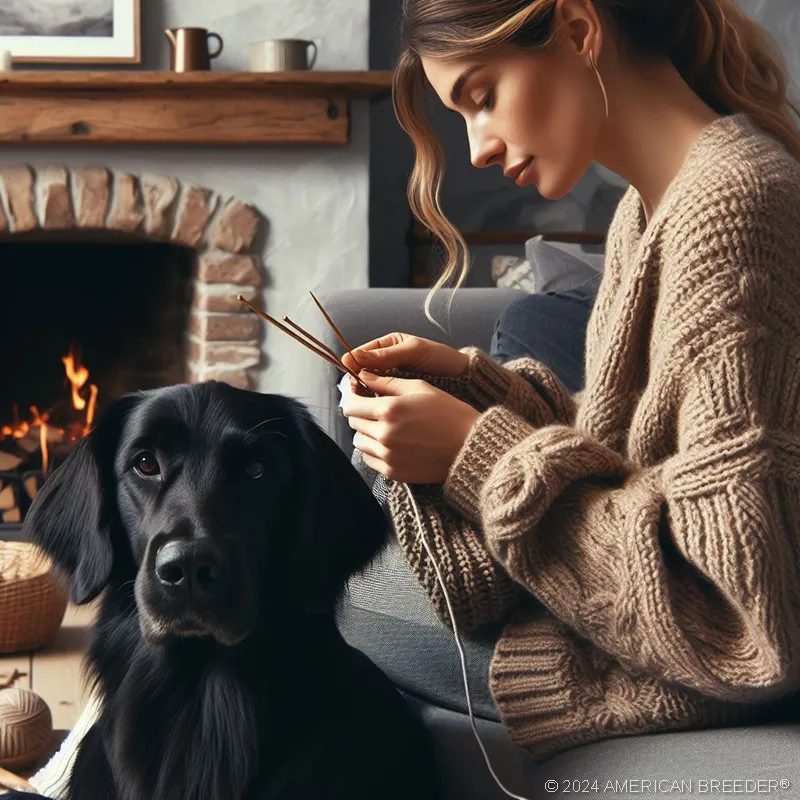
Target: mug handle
219	42
313	55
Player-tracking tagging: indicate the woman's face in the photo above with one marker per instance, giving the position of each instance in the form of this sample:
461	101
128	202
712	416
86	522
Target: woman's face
537	114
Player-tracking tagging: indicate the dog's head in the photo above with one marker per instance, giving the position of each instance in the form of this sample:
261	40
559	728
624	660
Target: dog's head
224	507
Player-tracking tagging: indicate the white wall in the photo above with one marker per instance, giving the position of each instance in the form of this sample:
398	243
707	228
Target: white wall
315	198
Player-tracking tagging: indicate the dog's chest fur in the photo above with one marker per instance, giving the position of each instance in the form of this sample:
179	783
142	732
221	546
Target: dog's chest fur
178	726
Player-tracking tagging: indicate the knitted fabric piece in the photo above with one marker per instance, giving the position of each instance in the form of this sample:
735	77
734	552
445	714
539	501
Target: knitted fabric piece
653	527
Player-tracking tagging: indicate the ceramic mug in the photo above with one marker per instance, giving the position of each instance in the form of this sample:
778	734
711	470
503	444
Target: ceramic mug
189	48
282	55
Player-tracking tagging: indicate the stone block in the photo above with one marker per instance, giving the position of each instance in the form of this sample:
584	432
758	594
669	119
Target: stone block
92	196
236	228
55	204
17	185
225	268
225	354
208	298
194	213
225	327
235	377
160	194
126	206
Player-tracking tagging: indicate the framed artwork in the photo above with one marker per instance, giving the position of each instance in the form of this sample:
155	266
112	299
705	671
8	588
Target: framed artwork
71	31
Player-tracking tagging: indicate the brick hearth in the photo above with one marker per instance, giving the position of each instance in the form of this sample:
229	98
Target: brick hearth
224	339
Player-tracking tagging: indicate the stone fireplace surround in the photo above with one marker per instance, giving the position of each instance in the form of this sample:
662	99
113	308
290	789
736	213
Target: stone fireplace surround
224	338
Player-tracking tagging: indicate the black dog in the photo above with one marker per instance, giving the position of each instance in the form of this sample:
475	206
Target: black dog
223	526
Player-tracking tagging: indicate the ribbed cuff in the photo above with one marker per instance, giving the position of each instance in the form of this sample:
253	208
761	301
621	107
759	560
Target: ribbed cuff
525	385
556	691
539	687
489	383
496	432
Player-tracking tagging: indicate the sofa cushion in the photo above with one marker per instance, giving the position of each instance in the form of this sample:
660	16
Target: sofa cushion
678	764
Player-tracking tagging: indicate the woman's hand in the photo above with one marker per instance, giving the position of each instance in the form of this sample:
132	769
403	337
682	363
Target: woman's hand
410	353
412	432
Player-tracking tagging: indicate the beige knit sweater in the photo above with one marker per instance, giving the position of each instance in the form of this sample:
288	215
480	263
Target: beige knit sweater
644	537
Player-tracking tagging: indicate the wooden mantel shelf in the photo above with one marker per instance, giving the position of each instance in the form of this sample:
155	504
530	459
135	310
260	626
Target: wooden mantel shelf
135	107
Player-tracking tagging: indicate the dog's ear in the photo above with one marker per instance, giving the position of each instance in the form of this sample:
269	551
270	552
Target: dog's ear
343	525
72	516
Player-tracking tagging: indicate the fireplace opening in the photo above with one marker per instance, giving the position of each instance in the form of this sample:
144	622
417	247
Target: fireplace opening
84	319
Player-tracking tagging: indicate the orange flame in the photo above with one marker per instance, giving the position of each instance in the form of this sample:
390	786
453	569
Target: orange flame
77	375
91	409
41	421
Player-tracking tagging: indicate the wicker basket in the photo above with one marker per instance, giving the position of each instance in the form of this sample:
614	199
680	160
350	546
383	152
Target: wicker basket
32	599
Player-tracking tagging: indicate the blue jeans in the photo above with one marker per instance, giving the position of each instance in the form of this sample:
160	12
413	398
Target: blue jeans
550	328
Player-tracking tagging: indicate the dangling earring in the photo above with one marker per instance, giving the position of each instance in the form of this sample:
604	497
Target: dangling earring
600	79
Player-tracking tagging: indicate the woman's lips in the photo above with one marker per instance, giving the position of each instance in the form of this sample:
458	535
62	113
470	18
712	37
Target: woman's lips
524	178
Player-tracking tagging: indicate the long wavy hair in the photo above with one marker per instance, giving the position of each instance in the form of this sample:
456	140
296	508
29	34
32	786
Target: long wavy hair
725	57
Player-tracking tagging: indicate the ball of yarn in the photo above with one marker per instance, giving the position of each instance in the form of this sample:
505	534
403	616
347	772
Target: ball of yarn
26	728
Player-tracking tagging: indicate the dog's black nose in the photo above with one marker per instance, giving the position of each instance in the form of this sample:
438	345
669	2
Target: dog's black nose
195	568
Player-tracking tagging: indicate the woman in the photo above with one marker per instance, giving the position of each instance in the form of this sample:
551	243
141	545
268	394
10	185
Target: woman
640	539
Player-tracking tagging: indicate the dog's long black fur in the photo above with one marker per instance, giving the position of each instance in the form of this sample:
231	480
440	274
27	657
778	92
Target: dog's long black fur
251	694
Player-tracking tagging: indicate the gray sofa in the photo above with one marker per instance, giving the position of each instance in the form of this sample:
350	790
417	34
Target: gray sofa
387	615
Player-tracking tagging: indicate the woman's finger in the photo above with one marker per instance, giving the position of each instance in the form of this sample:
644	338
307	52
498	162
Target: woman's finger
369	427
388	351
369	446
366	407
376	463
388	340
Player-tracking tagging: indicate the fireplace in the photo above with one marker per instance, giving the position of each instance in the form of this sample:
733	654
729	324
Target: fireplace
111	283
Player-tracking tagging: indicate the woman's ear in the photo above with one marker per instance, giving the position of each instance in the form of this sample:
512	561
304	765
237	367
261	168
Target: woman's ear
577	23
72	516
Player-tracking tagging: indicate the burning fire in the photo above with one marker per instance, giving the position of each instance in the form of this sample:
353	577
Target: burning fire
78	377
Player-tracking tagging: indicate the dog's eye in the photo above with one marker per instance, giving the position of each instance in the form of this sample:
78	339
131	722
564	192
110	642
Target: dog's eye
255	469
147	464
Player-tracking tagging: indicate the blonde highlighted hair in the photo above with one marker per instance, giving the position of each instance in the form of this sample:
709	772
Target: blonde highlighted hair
724	56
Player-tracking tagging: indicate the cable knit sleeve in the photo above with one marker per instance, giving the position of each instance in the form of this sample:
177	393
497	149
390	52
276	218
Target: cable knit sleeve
480	590
687	568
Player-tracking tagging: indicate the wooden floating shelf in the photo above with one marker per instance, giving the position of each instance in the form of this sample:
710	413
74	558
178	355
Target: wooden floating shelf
200	108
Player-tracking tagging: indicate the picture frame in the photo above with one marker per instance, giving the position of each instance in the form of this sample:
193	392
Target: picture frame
54	32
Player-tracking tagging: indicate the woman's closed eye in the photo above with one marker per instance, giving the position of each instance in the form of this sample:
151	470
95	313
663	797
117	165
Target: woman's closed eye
483	99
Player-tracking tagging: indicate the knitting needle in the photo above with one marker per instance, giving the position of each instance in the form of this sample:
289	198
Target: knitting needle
327	349
343	341
335	330
312	338
311	347
294	336
340	337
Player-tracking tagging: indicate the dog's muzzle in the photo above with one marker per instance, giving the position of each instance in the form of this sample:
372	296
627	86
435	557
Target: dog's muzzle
188	590
193	570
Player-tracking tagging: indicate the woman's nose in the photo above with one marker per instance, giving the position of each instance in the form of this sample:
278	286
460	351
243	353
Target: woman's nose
485	150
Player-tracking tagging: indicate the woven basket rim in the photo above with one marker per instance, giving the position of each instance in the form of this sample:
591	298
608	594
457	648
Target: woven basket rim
34	561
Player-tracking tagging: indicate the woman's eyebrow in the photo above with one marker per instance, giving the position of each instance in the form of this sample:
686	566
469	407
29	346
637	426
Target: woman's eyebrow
458	86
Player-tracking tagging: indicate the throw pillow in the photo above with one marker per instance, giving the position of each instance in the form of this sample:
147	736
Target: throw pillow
550	267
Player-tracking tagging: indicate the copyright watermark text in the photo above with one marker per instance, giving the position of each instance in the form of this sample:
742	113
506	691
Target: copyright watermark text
720	787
